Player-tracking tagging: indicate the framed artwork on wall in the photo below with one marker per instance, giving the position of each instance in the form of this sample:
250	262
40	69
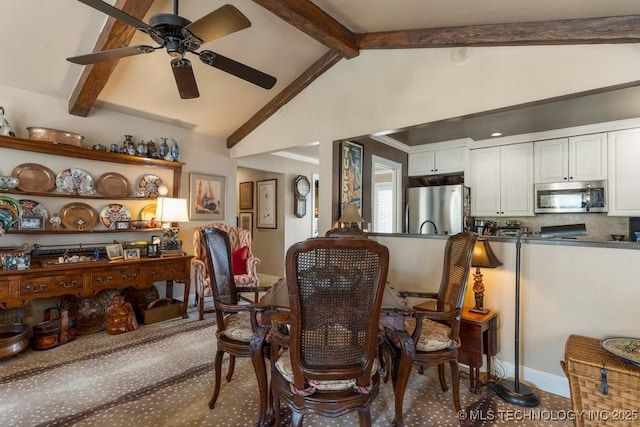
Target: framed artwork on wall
245	195
266	194
206	196
351	175
245	221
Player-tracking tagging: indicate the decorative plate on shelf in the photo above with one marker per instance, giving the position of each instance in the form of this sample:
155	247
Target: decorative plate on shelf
112	213
33	208
148	186
78	216
113	184
626	348
34	178
75	181
148	212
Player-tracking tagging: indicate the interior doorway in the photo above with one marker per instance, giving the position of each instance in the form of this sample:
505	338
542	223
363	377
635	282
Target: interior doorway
386	196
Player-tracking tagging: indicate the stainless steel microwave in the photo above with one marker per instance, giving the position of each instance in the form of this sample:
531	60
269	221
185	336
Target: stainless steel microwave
561	197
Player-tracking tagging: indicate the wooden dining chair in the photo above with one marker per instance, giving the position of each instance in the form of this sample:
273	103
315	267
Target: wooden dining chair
236	323
431	337
327	363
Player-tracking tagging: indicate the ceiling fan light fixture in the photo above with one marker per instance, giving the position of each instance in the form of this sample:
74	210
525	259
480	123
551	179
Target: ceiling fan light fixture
175	48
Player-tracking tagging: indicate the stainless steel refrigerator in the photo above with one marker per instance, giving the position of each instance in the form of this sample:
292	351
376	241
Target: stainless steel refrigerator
444	208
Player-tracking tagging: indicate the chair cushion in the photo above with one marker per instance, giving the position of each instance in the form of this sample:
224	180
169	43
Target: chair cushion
239	260
435	336
238	326
283	364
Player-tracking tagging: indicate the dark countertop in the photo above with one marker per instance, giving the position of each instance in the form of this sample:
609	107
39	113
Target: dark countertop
580	241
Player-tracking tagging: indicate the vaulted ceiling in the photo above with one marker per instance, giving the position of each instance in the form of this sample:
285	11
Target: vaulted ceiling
294	40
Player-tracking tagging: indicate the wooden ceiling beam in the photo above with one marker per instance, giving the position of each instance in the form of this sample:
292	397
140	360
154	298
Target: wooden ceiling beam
310	19
94	77
328	60
620	29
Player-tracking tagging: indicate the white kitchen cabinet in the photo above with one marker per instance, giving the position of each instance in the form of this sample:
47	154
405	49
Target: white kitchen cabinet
578	158
624	172
502	181
432	162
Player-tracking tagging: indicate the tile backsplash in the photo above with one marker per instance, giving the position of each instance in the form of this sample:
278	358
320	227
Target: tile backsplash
599	226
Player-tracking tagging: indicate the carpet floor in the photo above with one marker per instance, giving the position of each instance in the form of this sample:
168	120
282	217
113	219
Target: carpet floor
162	375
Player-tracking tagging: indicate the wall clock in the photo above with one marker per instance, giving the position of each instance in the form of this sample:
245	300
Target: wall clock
302	187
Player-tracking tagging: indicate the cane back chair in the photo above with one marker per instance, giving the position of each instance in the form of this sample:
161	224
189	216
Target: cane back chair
240	240
327	364
431	338
236	323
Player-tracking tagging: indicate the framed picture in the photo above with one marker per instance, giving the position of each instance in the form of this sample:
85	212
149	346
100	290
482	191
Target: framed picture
351	175
267	203
245	221
246	195
31	223
155	240
206	196
132	253
114	251
153	250
122	225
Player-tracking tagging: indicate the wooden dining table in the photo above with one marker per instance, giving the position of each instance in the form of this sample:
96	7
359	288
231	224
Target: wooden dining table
273	307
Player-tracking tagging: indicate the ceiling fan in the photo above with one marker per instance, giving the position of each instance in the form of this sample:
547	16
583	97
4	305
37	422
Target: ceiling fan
178	36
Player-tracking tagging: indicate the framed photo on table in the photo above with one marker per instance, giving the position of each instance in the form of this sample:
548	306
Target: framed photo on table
130	253
206	196
351	175
245	197
114	251
266	195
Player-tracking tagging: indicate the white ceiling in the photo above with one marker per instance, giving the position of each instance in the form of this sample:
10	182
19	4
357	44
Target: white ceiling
38	35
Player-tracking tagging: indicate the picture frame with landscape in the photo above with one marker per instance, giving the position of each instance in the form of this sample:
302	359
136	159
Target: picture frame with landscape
206	196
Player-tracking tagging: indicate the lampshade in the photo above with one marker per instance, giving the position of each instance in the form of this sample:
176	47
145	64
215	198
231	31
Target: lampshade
169	209
483	255
350	214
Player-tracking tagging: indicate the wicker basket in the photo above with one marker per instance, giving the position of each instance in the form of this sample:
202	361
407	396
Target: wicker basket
589	367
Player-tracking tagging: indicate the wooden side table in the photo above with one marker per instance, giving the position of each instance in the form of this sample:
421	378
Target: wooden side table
479	335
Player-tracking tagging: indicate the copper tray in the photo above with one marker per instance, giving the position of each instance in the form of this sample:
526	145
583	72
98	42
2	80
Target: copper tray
113	184
148	212
55	136
34	178
78	215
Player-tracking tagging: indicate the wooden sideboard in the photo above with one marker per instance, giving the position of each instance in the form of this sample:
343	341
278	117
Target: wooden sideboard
84	279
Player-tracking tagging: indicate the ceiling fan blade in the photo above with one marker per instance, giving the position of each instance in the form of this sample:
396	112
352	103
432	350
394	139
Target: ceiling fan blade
108	55
219	23
116	13
185	80
237	69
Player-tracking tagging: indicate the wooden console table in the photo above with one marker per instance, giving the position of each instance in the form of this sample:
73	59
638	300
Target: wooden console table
479	335
84	279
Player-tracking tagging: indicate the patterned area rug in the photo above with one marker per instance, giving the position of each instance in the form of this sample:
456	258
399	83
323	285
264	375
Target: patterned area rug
162	375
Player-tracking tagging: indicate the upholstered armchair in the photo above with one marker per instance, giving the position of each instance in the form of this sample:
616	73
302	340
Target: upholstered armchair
243	261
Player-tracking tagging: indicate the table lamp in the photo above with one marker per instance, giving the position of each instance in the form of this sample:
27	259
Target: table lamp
168	211
350	216
484	257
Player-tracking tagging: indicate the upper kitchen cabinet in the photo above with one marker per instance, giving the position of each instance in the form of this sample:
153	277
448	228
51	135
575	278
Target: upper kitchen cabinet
578	158
624	172
502	181
437	161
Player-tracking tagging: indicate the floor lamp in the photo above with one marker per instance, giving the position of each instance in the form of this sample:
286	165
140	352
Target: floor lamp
513	391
